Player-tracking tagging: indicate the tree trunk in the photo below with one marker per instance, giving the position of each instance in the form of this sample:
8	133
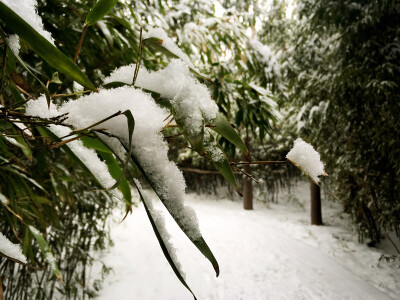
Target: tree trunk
316	215
247	183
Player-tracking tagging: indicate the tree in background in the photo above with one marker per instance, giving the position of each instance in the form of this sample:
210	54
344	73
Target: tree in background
344	83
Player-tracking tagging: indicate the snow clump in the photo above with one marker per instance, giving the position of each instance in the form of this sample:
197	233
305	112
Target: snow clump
168	44
149	146
190	99
267	57
27	10
13	43
11	250
307	159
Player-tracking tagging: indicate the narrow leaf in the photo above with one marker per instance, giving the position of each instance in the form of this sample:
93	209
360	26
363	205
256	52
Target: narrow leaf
43	47
45	249
156	44
99	10
162	244
226	130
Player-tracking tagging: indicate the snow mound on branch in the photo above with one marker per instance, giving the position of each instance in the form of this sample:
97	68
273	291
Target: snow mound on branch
307	159
168	44
88	156
11	250
27	10
149	146
190	99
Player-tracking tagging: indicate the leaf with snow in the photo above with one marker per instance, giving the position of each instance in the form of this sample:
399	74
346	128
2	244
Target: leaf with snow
10	250
46	251
303	156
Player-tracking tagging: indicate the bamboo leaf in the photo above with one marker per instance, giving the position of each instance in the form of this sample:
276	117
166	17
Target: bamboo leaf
43	47
156	44
96	144
116	173
162	244
226	130
22	63
99	10
46	251
131	127
199	243
220	161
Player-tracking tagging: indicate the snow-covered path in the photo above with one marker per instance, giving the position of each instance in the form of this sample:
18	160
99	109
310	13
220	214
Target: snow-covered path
263	254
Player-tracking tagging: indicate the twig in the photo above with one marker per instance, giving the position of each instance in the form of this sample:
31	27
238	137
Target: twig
139	58
68	95
3	70
78	49
260	163
245	173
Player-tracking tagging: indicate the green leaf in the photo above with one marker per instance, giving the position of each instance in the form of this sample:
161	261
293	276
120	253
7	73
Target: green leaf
99	10
96	144
226	130
116	173
48	255
199	243
156	44
222	163
131	127
22	63
162	244
43	47
55	78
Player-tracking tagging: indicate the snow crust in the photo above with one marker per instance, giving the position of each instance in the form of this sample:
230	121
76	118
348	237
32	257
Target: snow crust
190	99
27	10
10	249
168	44
307	159
13	42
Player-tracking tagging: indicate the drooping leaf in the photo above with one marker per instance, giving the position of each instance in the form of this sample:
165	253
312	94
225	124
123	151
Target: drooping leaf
199	243
156	44
46	251
116	173
22	63
220	161
162	244
223	128
96	144
43	47
99	10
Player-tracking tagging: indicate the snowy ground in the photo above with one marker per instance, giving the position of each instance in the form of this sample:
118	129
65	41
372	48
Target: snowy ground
268	253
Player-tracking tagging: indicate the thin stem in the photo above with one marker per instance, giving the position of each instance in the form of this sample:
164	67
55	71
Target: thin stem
139	58
270	162
68	95
3	70
78	49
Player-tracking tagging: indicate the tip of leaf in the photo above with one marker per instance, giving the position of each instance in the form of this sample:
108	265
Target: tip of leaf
239	191
324	173
216	268
60	279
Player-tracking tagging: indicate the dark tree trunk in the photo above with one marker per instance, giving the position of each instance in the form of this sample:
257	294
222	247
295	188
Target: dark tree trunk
316	214
247	183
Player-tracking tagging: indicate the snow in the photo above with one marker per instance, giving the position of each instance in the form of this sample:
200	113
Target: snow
149	146
88	156
27	10
190	99
13	43
168	44
269	253
266	55
10	249
3	199
307	159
